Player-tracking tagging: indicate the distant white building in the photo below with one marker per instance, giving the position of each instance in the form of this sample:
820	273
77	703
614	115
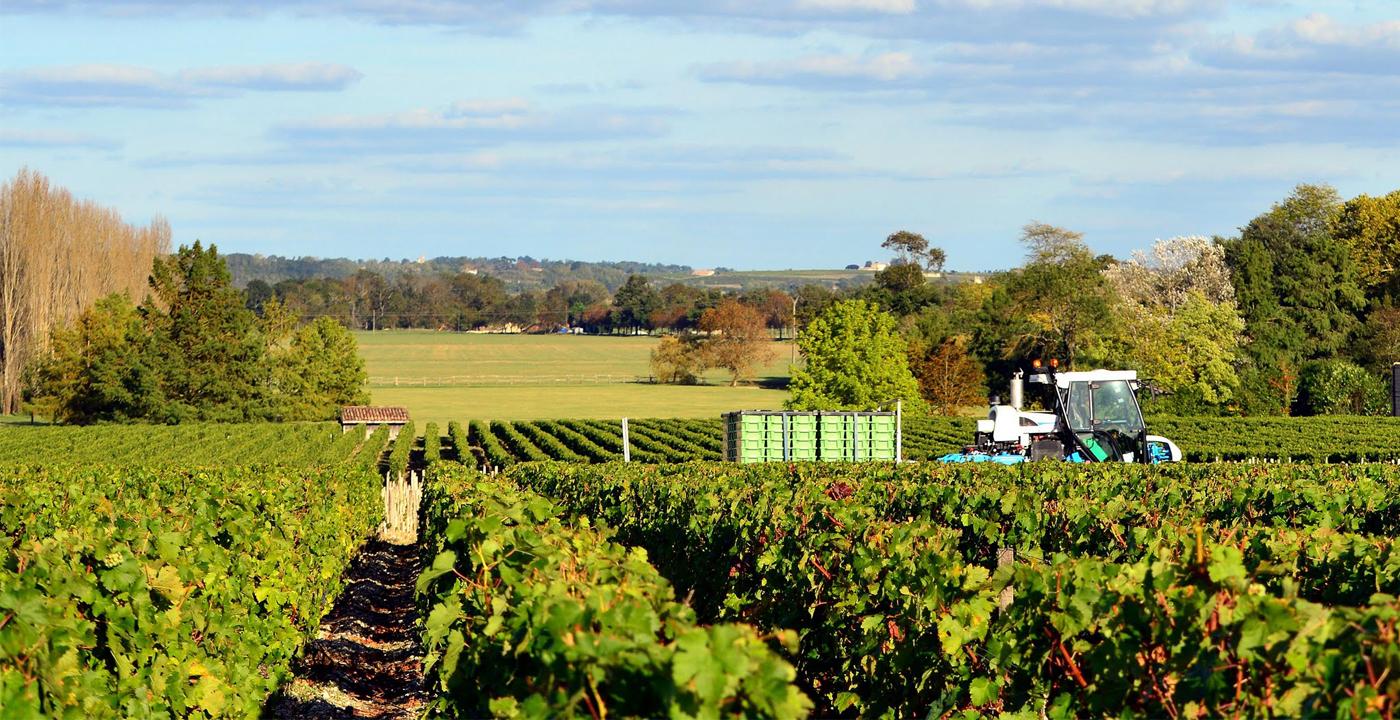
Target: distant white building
702	272
874	266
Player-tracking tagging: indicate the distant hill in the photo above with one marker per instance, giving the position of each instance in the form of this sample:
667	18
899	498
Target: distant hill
526	273
522	273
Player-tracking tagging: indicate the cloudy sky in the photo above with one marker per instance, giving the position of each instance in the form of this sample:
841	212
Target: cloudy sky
743	133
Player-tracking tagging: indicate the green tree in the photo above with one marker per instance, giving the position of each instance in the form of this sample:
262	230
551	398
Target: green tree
1337	387
317	373
1370	226
1297	290
1179	322
900	277
997	328
949	378
634	303
677	362
1191	351
1063	297
98	369
258	293
854	360
912	248
1379	344
568	300
737	339
206	344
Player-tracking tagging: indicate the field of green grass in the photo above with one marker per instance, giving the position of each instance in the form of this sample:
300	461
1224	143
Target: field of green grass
464	376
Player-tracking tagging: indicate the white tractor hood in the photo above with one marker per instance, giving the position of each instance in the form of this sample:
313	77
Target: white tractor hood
1063	379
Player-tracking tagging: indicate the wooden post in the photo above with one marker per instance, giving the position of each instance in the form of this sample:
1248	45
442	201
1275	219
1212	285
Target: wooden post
626	443
1005	557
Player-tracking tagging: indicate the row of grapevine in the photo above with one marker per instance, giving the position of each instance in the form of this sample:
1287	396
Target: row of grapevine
548	445
432	444
1203	590
401	452
1310	439
466	452
481	436
172	592
520	447
1319	439
530	617
186	445
579	442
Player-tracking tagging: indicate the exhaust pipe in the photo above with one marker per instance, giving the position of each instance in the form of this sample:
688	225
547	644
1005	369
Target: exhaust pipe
1018	389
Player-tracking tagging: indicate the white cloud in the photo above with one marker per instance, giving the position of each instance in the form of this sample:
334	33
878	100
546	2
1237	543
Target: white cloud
480	108
16	138
1316	43
131	86
465	125
294	76
887	67
892	7
1105	8
1321	29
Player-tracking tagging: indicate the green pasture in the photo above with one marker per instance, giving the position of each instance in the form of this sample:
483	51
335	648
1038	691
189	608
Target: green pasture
443	376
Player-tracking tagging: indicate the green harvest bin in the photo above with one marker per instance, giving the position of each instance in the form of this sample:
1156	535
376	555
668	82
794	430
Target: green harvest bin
765	436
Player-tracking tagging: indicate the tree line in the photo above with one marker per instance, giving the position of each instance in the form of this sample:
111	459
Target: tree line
466	301
58	255
192	351
1296	314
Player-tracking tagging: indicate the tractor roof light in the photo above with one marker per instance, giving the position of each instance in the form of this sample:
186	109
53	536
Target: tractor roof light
1036	363
1054	362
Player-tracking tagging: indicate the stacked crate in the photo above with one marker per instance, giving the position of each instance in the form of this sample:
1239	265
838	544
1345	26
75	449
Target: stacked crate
768	436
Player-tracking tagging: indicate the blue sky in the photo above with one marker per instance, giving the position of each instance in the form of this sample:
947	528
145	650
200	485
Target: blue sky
742	133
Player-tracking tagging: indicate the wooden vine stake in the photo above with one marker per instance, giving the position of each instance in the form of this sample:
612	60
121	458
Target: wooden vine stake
401	498
1005	556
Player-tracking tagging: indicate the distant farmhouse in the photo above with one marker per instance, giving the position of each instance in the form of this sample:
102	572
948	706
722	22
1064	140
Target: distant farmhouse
370	418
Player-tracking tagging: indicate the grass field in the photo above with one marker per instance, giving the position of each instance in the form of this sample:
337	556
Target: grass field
451	376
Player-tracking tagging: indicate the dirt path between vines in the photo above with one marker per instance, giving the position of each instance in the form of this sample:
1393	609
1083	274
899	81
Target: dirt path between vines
365	660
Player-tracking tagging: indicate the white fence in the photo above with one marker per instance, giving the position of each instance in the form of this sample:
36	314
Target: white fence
501	380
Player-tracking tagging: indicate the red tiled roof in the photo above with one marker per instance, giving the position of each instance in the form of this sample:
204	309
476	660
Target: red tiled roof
369	414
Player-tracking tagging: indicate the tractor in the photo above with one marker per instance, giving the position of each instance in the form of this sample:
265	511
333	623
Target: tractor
1090	416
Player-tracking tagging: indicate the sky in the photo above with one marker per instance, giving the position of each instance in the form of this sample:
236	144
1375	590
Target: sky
739	133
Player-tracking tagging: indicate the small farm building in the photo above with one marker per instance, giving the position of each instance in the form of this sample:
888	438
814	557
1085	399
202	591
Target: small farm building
372	417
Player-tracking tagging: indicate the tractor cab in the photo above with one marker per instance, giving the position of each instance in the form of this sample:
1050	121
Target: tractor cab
1087	416
1098	412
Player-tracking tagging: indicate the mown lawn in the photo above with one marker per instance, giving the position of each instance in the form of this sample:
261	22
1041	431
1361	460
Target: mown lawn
462	376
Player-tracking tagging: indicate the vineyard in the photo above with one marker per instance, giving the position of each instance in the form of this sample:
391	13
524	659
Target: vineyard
1314	439
1069	591
200	444
147	574
223	570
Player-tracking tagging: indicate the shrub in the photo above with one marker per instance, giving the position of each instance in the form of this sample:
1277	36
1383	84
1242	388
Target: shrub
1338	387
